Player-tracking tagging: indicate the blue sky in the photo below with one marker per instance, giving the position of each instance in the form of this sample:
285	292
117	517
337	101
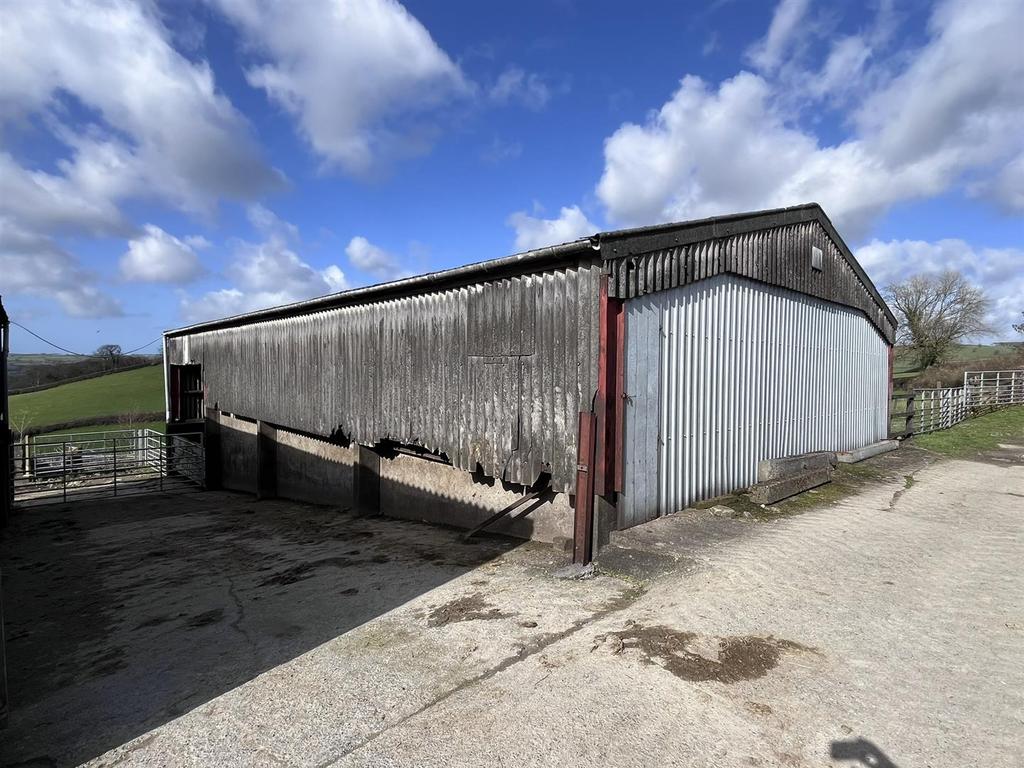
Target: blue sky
162	163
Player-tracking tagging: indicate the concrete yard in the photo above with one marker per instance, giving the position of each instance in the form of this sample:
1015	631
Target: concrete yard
882	628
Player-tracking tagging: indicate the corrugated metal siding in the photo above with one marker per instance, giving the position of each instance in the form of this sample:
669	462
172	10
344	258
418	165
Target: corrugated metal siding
779	256
493	373
726	372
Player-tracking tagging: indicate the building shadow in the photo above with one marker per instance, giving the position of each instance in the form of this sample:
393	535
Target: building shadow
861	751
124	614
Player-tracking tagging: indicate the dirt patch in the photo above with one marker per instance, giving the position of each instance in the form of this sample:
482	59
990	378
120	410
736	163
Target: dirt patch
303	571
759	709
745	657
469	608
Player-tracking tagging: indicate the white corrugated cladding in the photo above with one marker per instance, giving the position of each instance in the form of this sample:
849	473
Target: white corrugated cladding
723	373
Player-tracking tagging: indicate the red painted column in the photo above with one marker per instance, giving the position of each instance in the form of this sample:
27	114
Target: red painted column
583	526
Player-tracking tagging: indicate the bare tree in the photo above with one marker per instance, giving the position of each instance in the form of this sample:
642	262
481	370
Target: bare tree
111	352
937	311
1019	327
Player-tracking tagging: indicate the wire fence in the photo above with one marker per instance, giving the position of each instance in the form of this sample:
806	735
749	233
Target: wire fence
68	467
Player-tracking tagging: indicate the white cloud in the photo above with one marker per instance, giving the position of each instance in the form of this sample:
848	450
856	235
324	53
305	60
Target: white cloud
51	203
159	257
769	52
160	126
999	271
1006	188
135	119
499	150
534	232
517	85
951	115
270	224
960	102
34	264
843	70
335	279
372	259
265	274
360	76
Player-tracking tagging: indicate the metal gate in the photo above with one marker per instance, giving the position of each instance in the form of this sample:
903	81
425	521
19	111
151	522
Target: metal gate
51	469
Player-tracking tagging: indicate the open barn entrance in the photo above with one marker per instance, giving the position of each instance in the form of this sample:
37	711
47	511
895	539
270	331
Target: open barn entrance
63	468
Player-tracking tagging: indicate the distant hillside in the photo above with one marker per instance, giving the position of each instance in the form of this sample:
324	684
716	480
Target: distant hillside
962	353
950	373
126	394
34	370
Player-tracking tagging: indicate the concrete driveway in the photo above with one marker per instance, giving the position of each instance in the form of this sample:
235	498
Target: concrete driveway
885	628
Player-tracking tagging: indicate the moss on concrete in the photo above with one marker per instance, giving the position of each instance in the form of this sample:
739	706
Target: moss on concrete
847	480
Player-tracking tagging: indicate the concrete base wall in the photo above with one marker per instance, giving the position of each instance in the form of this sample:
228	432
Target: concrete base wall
313	470
238	453
419	489
412	488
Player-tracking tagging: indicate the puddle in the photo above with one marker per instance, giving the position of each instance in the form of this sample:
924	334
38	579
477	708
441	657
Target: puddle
745	657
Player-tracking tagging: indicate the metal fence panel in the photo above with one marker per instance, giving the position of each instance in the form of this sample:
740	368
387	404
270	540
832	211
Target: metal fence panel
726	372
69	467
942	408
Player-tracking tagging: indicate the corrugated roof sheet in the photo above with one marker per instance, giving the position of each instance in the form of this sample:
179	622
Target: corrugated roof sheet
611	245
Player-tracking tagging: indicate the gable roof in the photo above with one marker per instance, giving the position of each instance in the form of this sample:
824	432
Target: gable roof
773	247
662	252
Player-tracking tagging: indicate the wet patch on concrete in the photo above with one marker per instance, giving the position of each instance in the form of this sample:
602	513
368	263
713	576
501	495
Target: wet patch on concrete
736	658
108	662
303	571
205	619
153	621
469	608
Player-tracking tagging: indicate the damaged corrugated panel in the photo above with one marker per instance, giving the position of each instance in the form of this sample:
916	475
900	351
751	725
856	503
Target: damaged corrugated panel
491	374
723	373
779	256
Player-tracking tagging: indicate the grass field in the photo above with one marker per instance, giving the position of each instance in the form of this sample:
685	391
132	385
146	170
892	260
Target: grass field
138	391
156	426
982	433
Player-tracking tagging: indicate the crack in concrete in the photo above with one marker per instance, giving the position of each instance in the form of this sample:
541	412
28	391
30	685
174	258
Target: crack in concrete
236	623
535	646
908	482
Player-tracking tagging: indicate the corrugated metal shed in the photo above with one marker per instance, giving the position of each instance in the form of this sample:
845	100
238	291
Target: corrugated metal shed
491	374
726	372
490	363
